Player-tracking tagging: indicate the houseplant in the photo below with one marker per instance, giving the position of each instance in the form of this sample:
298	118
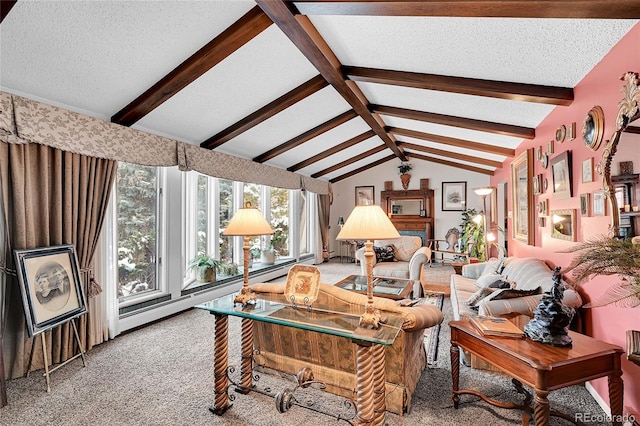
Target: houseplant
268	255
205	267
404	168
472	234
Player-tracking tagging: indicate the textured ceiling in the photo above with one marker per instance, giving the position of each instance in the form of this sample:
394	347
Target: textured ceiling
97	57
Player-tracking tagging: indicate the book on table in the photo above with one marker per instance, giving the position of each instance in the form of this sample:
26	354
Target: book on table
495	326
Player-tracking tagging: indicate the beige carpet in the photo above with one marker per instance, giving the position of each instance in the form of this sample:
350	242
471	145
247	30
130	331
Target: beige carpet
437	278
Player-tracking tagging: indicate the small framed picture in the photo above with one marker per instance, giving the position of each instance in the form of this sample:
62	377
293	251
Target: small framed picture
454	196
585	205
365	195
550	148
599	205
587	170
539	153
52	293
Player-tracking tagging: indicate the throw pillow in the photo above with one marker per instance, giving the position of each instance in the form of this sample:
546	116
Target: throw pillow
512	293
490	267
473	300
488	280
385	254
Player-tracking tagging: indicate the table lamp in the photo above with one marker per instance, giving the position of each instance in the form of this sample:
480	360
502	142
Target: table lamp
368	222
484	191
247	222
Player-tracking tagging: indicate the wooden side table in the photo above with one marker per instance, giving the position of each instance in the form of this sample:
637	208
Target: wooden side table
542	367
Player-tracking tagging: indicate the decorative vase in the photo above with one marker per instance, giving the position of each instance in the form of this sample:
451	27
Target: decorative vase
405	178
550	323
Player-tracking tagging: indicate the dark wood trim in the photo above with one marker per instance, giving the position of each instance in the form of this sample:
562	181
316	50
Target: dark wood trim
5	8
352	160
230	40
449	120
449	154
324	154
453	164
632	129
588	9
468	86
460	143
308	40
272	108
363	168
306	136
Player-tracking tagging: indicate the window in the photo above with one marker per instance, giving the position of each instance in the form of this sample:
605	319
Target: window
225	213
280	221
303	223
137	224
202	213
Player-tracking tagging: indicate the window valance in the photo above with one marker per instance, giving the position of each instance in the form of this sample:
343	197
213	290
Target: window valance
24	120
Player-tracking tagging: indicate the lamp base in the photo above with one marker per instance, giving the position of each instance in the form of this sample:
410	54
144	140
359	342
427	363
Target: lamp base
245	296
371	316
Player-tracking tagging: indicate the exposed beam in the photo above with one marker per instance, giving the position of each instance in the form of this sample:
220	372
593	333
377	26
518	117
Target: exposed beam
352	160
633	129
283	102
362	169
468	86
460	143
449	154
449	120
452	164
308	40
230	40
306	136
5	7
591	9
344	145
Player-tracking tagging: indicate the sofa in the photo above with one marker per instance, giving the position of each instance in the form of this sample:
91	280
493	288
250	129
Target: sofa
407	259
332	358
510	288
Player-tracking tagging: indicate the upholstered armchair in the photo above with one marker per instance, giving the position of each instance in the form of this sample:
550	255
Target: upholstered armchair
407	261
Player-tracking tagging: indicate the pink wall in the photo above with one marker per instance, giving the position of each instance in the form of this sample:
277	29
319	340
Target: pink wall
600	87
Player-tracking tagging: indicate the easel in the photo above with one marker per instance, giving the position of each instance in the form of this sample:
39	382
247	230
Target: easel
47	372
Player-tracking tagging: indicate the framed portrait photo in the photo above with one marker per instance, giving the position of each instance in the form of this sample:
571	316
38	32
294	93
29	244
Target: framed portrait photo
454	196
365	195
49	279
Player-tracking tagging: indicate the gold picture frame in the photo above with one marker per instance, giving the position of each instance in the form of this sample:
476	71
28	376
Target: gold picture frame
522	196
563	224
561	175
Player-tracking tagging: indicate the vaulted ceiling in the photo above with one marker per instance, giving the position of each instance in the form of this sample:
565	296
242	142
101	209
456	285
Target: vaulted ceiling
323	88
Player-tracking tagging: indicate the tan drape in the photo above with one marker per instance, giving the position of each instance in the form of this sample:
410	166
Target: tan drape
51	197
324	207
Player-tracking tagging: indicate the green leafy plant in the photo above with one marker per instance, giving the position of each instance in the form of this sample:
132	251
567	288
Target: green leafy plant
203	262
472	234
404	167
603	255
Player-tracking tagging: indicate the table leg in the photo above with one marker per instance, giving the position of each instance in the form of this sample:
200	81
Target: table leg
220	365
246	365
541	408
616	391
379	381
364	386
455	374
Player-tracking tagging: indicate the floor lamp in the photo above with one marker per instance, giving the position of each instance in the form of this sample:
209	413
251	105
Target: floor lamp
247	222
484	191
368	223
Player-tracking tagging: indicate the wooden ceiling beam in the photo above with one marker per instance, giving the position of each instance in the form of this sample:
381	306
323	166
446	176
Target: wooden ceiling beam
306	136
5	8
632	129
583	9
283	102
460	143
310	43
467	86
449	120
352	160
452	164
363	168
329	152
230	40
449	154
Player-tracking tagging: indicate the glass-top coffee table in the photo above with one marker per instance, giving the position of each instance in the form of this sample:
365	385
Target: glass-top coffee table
391	288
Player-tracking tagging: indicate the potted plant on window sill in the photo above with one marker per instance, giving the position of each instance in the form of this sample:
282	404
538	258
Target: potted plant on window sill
205	267
268	255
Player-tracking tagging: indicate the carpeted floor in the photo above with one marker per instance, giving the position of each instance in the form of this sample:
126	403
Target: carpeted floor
162	374
431	334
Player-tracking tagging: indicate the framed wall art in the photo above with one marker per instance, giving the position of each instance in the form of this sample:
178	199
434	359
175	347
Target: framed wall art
49	279
365	195
587	170
522	196
454	196
561	175
585	205
563	224
599	205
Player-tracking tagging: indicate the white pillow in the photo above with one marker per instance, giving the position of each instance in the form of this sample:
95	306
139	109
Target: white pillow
488	279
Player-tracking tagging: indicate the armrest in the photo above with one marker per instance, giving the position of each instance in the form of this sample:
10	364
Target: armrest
421	317
419	258
524	305
472	270
363	263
